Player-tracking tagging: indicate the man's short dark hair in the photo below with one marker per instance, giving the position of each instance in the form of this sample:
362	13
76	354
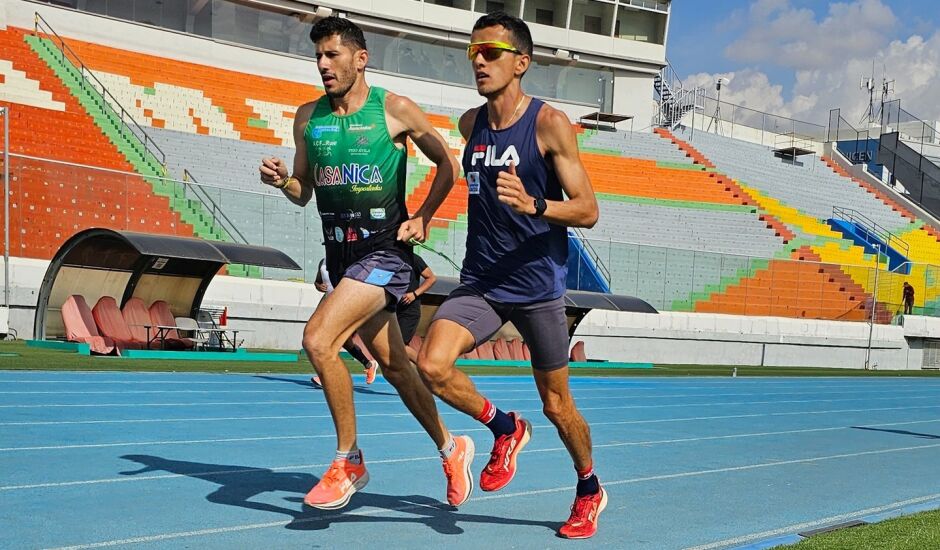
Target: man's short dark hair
521	37
349	33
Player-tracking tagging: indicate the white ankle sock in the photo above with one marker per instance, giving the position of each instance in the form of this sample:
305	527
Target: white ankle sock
354	455
449	448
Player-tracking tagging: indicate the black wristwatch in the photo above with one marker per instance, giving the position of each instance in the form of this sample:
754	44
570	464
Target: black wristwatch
540	206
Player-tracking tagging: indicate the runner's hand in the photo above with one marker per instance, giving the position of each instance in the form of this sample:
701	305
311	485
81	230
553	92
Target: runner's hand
273	171
415	228
512	193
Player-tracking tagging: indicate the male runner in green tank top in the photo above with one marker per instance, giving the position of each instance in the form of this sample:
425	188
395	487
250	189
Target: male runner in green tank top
351	153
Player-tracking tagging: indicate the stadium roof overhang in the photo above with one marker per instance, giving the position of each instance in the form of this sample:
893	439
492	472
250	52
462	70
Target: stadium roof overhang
102	262
577	305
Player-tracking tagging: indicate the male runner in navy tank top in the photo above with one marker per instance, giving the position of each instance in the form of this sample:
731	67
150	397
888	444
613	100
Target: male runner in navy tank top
520	161
351	153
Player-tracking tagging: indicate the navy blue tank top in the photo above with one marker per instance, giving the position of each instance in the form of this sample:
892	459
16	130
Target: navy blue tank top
511	258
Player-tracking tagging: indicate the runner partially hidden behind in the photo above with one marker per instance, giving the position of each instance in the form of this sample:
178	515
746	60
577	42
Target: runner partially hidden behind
351	152
520	161
371	366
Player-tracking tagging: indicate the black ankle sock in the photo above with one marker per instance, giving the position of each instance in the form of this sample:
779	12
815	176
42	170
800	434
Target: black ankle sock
589	486
502	424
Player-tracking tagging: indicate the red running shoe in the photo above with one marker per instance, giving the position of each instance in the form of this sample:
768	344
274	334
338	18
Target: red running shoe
502	466
584	513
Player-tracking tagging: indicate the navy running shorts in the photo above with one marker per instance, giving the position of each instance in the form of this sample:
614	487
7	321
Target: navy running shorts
543	325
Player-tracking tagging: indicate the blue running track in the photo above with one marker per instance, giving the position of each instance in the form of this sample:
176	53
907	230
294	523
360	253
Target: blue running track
96	459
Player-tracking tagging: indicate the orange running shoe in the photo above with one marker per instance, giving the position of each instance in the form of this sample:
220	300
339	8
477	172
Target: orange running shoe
457	470
502	466
371	369
584	513
336	487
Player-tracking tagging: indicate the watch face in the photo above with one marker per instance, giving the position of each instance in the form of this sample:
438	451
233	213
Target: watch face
540	207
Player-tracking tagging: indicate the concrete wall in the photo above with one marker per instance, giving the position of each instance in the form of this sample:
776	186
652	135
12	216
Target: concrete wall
704	339
275	313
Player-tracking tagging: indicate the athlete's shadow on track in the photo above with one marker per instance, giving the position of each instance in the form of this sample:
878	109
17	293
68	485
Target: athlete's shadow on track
306	383
239	484
901	432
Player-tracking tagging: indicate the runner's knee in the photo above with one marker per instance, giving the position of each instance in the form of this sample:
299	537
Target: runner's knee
318	348
435	366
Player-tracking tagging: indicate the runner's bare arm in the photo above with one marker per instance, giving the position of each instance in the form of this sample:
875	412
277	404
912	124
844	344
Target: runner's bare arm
406	118
299	189
559	145
429	279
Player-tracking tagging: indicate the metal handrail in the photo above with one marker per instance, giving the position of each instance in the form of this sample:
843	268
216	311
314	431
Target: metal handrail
851	215
214	208
886	120
149	144
598	261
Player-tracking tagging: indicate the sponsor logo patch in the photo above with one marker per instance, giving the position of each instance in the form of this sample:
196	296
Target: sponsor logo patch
473	183
319	130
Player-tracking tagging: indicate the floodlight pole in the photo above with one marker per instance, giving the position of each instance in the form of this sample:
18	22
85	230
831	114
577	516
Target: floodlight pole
716	118
874	303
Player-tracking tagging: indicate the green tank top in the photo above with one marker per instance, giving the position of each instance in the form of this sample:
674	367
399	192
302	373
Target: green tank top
357	170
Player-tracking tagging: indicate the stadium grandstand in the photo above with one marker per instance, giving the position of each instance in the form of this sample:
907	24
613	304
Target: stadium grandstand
151	116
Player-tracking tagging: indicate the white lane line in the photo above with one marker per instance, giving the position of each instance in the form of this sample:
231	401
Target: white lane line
674	382
576	391
379	402
651	442
252	526
449	413
410	432
797	527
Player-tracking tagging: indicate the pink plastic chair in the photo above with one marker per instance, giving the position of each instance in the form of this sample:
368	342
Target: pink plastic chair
577	353
161	315
501	350
485	351
80	326
138	318
111	323
515	350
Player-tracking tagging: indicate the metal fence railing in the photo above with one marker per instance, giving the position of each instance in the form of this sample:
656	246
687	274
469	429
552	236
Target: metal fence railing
746	124
668	278
910	127
127	121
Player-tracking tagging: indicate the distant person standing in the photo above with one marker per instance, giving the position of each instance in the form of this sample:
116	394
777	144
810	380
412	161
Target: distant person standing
908	299
408	310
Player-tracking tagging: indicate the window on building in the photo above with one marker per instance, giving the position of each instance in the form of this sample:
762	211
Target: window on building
460	4
512	7
640	25
546	12
593	16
